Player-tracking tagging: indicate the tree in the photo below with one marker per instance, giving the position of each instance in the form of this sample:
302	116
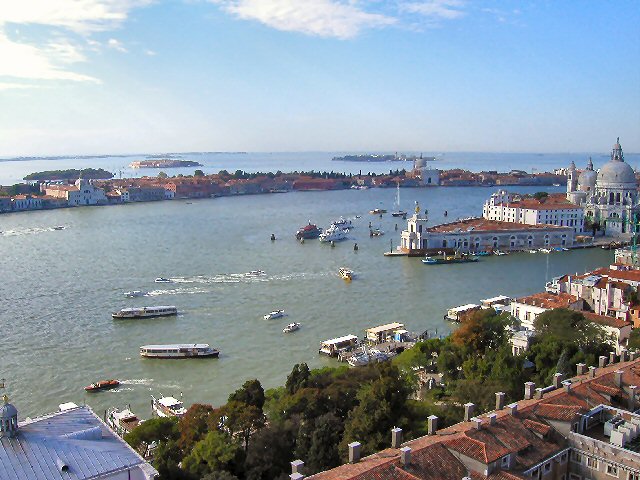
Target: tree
481	331
154	429
318	442
250	393
219	475
198	173
298	378
216	451
166	460
270	452
540	195
194	425
634	339
162	175
242	419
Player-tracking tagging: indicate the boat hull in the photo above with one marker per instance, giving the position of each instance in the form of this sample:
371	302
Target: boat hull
214	354
144	315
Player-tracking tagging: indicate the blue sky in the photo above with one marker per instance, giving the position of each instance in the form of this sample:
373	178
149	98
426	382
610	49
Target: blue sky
123	76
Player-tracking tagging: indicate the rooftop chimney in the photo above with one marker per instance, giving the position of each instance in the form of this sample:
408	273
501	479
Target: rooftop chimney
612	357
499	400
592	370
539	393
396	437
602	361
405	456
581	369
617	377
468	411
632	397
567	385
529	387
296	476
297	466
477	423
512	408
354	452
633	355
557	380
624	356
432	424
492	418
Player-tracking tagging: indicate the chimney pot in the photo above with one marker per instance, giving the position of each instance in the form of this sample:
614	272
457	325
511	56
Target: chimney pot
477	423
396	437
592	371
633	355
405	456
529	387
296	476
581	369
612	357
499	400
432	424
492	418
602	361
567	385
539	393
468	411
557	380
354	452
624	356
632	397
297	466
512	408
617	377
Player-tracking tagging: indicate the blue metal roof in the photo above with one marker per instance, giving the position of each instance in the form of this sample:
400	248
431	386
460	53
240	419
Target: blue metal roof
70	445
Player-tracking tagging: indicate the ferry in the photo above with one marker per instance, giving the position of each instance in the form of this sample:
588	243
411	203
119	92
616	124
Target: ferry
308	231
121	421
345	273
146	312
167	407
274	314
179	350
102	385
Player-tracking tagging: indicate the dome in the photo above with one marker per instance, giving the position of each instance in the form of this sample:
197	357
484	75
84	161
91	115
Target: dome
587	179
616	173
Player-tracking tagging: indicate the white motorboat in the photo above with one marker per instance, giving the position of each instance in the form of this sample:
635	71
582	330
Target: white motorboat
162	280
532	251
167	407
122	421
500	252
146	312
134	293
292	327
256	273
274	314
545	250
343	223
333	234
179	350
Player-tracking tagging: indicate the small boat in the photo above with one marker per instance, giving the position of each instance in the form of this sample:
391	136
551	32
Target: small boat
448	259
274	314
59	227
481	254
256	273
398	212
179	350
346	273
308	231
342	223
162	280
545	250
375	232
377	211
146	312
102	385
556	184
333	234
122	421
500	252
532	251
167	407
134	293
292	327
565	249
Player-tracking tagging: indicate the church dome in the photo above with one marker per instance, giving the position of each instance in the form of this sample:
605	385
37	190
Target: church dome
587	179
616	173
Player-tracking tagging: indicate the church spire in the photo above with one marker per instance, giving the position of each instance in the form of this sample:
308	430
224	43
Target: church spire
590	164
616	153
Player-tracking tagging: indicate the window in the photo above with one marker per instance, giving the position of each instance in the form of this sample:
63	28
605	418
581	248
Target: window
547	467
505	461
612	470
576	457
633	476
563	458
592	463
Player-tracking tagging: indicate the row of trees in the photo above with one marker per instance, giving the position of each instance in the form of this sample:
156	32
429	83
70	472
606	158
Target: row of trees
256	435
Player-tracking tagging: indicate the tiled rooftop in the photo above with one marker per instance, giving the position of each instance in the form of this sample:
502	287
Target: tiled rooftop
548	300
484	225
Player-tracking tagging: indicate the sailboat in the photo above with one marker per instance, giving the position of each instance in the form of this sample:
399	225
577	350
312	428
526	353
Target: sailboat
398	212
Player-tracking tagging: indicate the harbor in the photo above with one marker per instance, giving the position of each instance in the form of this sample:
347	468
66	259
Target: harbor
224	274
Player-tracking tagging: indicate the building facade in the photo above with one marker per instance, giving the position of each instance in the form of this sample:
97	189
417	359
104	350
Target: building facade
83	192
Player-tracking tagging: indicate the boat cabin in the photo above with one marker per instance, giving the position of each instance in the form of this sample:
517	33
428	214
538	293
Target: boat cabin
333	346
456	314
383	332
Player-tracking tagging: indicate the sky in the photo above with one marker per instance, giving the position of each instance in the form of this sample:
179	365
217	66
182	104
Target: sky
133	76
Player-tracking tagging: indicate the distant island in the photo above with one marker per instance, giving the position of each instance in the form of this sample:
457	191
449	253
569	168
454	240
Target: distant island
376	157
164	163
70	174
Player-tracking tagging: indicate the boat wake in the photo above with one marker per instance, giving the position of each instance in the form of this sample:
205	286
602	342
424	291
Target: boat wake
137	381
118	390
254	276
25	231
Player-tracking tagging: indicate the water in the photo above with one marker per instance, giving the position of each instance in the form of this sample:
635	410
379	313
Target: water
59	287
12	171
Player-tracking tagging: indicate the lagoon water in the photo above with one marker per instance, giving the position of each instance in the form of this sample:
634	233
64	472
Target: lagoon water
59	288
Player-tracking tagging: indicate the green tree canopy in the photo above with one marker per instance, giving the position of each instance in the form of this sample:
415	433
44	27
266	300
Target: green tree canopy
154	429
216	451
250	393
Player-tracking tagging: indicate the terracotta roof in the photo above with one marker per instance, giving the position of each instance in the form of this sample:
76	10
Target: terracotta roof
557	412
552	202
537	427
480	451
548	300
605	320
484	225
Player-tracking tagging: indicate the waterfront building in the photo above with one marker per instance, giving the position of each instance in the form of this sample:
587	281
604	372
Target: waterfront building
49	202
71	444
553	209
5	204
428	176
185	187
83	192
526	309
480	234
25	202
142	193
608	197
580	428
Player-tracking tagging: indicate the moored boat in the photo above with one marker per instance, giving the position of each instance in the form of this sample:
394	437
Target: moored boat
343	223
448	259
102	385
162	280
308	231
134	293
292	327
146	312
121	421
333	234
377	211
179	350
167	407
346	273
274	314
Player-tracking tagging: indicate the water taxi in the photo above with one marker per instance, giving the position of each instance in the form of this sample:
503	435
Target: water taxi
179	350
377	211
102	385
121	421
162	280
292	327
345	273
167	407
274	314
146	312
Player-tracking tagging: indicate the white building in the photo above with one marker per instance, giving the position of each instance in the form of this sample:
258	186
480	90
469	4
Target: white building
554	209
73	444
428	176
526	309
608	197
83	192
25	202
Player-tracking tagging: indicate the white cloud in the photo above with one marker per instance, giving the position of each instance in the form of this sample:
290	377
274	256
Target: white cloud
442	9
324	18
116	45
151	53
